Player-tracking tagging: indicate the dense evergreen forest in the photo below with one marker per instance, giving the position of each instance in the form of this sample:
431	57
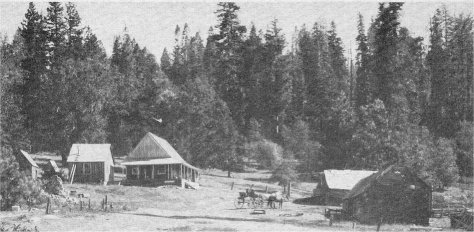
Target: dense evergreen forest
296	107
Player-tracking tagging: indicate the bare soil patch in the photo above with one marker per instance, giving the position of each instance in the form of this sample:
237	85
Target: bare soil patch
209	208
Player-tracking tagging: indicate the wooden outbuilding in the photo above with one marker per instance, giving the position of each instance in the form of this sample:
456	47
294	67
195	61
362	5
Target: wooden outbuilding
28	165
333	184
90	163
393	195
155	162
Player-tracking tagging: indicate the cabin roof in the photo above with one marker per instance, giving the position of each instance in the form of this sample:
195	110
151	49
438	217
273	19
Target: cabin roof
90	153
345	179
28	157
402	174
154	150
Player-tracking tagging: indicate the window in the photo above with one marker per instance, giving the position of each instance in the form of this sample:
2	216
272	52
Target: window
135	171
86	168
160	169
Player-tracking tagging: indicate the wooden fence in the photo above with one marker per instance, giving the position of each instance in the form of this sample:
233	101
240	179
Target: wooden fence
56	205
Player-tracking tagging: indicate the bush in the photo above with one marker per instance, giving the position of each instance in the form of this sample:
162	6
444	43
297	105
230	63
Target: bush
284	173
443	167
267	153
431	159
16	187
296	140
63	174
464	149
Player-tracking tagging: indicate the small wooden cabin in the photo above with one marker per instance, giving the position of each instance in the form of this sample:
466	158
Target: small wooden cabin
90	163
333	184
28	165
393	195
155	162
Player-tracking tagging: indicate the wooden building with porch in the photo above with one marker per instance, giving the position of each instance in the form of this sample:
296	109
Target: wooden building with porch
155	162
90	163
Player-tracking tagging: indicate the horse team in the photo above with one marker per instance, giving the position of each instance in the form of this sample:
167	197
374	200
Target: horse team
270	198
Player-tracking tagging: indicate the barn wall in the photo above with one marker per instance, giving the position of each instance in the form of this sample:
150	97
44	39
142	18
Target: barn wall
111	173
35	172
334	196
95	176
108	172
396	206
23	164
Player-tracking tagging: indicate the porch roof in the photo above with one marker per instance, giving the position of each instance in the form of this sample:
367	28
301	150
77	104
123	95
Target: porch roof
159	162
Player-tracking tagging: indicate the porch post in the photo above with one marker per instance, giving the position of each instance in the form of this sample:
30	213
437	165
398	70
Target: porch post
168	175
181	171
138	173
171	170
152	171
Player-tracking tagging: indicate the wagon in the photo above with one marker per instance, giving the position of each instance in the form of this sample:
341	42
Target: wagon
248	198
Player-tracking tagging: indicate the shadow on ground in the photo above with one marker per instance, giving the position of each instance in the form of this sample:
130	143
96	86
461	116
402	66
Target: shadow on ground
267	220
309	201
205	217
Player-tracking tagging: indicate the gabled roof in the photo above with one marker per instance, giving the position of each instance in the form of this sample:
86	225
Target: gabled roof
90	153
28	157
383	177
345	179
167	147
153	150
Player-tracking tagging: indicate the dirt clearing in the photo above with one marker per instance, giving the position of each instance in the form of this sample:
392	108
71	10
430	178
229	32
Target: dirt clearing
210	208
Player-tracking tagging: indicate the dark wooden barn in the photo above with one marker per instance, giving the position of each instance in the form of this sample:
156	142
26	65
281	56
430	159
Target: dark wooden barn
333	185
28	165
393	195
91	163
155	162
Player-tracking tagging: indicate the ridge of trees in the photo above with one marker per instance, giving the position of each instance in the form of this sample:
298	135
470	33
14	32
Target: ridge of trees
238	95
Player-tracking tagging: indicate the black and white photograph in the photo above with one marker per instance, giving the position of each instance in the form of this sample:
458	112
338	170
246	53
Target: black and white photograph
236	116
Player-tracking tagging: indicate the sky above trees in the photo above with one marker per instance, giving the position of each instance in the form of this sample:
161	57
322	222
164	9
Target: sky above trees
153	24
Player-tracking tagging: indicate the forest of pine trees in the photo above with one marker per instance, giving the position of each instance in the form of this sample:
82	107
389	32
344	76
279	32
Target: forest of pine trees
296	107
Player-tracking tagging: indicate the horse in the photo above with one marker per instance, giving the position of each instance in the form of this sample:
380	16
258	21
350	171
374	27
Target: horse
275	197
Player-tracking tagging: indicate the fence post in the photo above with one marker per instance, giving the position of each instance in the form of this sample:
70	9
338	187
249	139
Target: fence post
232	187
106	199
47	205
379	224
289	188
89	203
80	204
266	188
102	204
